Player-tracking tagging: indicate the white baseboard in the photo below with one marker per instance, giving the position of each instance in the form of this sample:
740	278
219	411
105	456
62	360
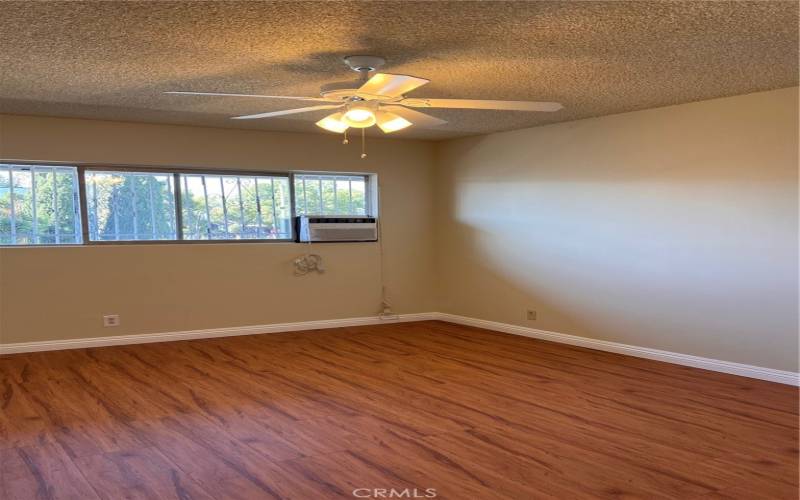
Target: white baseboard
146	338
780	376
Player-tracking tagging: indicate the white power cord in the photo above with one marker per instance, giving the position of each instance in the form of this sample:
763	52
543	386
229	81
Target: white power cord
386	306
313	262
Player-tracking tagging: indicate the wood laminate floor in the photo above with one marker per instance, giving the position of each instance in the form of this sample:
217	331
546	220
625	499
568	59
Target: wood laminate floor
314	415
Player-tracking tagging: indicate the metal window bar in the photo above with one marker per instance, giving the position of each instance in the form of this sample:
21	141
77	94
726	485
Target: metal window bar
350	194
319	187
150	204
274	211
241	207
35	225
176	205
12	207
343	196
305	199
55	207
93	223
292	205
76	210
259	229
115	209
336	195
189	211
83	207
134	203
224	207
94	208
208	211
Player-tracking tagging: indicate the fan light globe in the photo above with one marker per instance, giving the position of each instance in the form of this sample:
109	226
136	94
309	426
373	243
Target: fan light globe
333	123
390	122
359	116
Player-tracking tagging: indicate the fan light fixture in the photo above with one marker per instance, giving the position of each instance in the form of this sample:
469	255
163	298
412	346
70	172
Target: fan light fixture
359	116
386	121
333	123
390	122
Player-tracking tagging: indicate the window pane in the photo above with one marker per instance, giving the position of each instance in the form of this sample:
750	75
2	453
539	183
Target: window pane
39	205
130	206
330	194
233	207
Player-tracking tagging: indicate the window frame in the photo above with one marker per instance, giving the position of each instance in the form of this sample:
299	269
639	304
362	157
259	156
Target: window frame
230	173
176	172
84	199
370	187
13	165
370	193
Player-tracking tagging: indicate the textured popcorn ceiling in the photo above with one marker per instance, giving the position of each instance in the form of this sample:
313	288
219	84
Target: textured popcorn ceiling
112	60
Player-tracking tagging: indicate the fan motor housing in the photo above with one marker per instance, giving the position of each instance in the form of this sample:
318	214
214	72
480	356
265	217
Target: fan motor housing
348	91
339	90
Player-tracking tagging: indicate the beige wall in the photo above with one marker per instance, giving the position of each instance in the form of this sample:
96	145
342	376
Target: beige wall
672	228
61	293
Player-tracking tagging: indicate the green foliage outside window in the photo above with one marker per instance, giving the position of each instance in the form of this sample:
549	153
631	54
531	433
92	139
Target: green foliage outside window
44	205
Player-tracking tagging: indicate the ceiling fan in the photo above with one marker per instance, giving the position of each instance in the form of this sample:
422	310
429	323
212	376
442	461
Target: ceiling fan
379	100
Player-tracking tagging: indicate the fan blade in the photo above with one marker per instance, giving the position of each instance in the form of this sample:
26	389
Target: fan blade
482	104
287	112
388	85
223	94
415	117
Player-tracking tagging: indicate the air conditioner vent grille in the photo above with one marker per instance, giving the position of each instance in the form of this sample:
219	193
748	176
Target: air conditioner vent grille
321	229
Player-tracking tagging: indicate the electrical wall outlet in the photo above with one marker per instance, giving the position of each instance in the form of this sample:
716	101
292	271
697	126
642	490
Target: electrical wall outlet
531	315
111	320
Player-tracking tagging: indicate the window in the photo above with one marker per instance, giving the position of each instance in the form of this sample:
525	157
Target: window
59	204
130	206
224	207
326	194
39	205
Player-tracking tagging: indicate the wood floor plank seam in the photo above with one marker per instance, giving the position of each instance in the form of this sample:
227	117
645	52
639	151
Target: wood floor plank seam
314	415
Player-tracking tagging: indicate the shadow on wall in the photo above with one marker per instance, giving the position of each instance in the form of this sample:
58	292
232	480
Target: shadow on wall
493	289
609	280
689	249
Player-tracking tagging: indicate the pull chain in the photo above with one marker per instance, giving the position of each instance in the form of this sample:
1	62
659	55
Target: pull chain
345	141
363	144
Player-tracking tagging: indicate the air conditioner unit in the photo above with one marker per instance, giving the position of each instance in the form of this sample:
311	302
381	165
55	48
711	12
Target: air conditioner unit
313	229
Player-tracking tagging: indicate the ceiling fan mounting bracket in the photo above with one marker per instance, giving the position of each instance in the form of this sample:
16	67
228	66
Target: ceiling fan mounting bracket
364	64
